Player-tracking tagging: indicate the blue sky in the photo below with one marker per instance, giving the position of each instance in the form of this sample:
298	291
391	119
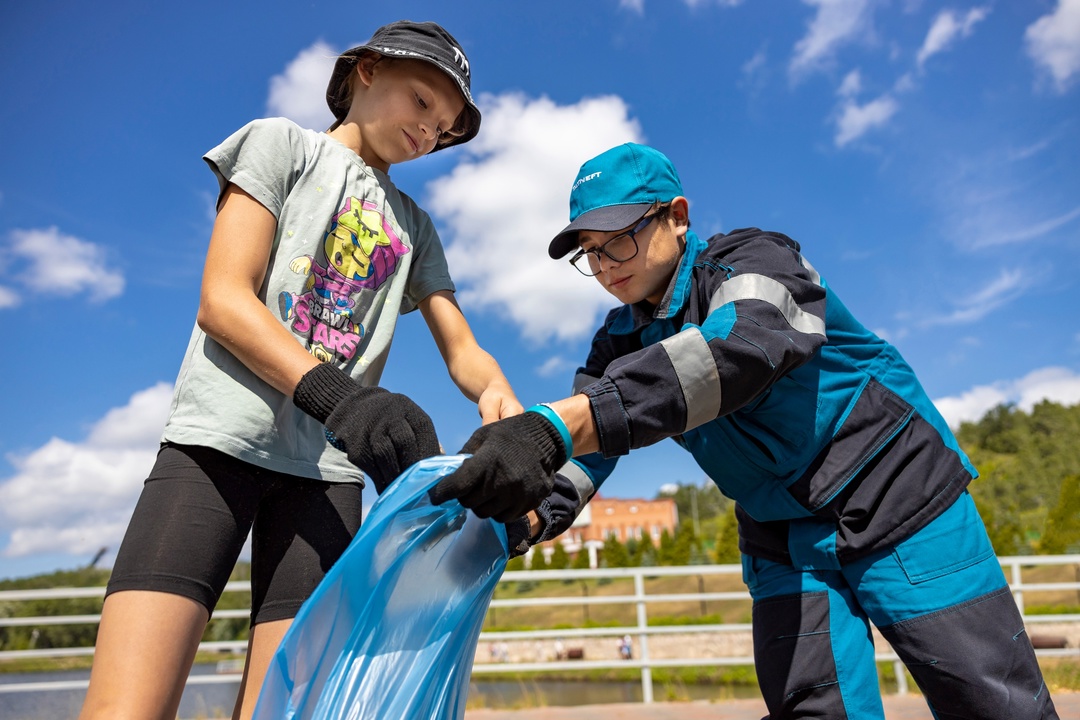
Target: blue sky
925	155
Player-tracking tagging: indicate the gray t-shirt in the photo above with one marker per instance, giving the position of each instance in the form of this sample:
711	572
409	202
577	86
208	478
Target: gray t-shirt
350	253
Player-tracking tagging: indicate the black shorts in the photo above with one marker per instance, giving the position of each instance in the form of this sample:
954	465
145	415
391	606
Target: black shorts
193	518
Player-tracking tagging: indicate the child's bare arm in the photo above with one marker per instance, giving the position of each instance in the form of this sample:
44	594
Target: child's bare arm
230	310
472	369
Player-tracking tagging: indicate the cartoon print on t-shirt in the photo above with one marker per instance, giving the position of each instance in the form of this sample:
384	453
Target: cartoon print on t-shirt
360	252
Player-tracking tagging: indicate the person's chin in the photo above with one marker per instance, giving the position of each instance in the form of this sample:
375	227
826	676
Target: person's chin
624	296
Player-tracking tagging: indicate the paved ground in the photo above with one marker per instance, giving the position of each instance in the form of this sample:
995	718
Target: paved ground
908	707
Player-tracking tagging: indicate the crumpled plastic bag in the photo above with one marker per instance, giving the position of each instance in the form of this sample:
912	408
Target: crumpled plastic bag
391	631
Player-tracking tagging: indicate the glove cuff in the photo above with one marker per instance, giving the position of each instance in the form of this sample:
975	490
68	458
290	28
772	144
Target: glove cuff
321	389
557	422
542	430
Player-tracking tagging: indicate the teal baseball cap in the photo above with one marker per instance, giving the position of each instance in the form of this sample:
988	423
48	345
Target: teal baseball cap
614	190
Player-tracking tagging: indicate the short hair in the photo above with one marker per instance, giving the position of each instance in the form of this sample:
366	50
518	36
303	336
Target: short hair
348	88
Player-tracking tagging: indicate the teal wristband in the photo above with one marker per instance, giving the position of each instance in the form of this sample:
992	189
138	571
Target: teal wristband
548	412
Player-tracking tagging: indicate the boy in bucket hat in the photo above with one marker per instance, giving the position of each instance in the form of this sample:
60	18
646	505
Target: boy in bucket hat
424	41
277	416
850	488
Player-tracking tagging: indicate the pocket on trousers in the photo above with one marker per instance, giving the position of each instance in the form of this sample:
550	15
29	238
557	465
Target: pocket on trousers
953	541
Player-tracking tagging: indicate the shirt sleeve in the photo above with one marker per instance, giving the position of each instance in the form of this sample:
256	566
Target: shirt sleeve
429	272
264	158
755	314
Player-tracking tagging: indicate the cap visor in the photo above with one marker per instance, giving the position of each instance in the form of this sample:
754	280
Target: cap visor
604	219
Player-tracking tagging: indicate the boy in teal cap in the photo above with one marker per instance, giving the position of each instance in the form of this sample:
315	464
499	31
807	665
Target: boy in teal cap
850	488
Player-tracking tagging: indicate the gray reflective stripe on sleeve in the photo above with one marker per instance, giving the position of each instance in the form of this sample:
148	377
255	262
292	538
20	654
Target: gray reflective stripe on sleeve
759	287
696	369
581	380
582	483
810	268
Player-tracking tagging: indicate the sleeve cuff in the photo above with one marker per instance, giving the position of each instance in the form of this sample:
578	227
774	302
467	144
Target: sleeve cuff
612	421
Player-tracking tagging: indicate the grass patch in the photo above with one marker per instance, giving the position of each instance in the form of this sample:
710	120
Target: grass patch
1061	674
705	675
46	664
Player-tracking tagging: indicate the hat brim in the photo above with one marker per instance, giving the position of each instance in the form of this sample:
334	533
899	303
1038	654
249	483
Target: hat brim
604	219
347	61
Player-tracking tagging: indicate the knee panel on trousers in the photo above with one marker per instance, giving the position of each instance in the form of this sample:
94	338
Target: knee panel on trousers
794	657
974	661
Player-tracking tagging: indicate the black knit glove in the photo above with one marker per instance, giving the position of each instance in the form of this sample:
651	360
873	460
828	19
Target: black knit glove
383	433
518	538
512	468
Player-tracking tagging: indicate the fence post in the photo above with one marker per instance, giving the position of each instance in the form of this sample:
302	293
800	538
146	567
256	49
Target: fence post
1017	583
643	638
901	677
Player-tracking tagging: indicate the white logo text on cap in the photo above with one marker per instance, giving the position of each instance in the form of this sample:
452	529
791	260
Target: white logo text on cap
461	60
585	179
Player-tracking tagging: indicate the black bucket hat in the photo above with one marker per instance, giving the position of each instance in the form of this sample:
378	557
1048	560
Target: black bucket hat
425	41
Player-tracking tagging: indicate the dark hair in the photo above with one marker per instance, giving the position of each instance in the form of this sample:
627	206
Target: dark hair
663	212
343	99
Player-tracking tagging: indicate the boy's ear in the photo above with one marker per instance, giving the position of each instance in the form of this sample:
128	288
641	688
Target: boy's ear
365	67
680	212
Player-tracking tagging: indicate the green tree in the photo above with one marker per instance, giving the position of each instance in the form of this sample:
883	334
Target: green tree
1023	459
727	539
560	559
684	544
614	553
667	546
700	502
1062	534
646	555
52	636
581	559
537	561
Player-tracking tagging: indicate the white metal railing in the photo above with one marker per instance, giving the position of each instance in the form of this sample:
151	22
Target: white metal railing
641	631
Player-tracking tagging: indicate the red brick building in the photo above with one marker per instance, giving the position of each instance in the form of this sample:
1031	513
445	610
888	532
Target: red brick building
621	518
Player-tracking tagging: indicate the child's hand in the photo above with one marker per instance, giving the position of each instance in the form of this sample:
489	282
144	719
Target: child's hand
383	433
498	402
511	471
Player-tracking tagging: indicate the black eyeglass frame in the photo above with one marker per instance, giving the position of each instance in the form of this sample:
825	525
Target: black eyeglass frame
632	234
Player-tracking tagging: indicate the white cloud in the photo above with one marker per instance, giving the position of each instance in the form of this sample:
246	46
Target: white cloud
851	85
946	28
755	72
74	497
1001	197
1028	151
8	297
1057	384
988	205
836	23
754	65
638	6
1053	42
299	93
509	197
856	120
904	83
1006	287
557	365
1032	231
58	265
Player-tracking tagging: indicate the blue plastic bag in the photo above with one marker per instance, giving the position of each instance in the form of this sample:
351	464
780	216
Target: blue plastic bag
391	631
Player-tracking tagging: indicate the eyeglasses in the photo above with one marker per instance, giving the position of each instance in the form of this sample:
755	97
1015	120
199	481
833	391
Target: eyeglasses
620	248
